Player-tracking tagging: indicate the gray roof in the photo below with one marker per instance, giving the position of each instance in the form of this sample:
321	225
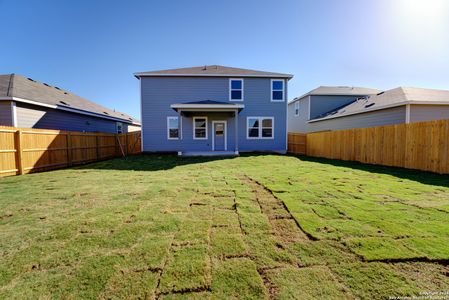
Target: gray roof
390	98
339	91
13	85
213	70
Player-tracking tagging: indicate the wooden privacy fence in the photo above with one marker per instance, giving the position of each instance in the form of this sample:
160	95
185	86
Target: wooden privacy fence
422	146
24	150
297	143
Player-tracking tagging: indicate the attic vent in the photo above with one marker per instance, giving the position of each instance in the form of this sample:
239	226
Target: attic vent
380	93
30	79
130	119
65	103
57	88
369	105
105	113
66	93
46	84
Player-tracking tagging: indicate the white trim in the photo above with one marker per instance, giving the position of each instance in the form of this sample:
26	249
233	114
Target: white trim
225	134
309	104
193	126
73	110
207	106
296	107
286	117
143	74
141	116
407	113
260	128
230	89
168	127
13	114
272	90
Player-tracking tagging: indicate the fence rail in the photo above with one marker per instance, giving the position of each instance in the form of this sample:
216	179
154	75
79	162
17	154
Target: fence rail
421	146
24	150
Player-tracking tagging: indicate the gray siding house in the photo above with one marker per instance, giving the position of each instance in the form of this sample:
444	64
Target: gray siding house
27	103
375	108
212	110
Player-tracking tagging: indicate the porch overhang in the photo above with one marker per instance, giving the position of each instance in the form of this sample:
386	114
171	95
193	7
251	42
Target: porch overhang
208	106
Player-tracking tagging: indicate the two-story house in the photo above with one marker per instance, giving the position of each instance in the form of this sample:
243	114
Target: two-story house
303	110
213	110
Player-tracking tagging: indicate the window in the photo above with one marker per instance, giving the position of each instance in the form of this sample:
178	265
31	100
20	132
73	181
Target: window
297	108
235	89
259	127
119	127
200	128
172	128
277	90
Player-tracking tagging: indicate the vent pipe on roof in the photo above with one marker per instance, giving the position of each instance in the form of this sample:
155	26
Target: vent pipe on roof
205	68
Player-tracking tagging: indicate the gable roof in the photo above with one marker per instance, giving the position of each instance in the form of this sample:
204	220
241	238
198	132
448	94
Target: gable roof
213	71
390	98
339	91
29	90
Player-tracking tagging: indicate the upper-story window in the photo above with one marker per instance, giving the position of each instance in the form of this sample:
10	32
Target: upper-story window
297	108
172	128
277	90
235	89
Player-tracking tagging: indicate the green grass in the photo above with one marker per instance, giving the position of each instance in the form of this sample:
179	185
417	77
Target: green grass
252	227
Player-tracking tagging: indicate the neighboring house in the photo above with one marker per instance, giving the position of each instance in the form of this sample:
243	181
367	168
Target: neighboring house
27	103
213	110
319	101
395	106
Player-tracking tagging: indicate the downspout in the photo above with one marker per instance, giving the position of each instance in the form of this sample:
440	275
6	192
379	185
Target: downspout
407	114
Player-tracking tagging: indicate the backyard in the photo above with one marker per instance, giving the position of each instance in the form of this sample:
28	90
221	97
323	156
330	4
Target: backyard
255	226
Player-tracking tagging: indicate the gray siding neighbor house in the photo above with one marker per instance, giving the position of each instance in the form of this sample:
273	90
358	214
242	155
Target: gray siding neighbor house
395	106
27	103
214	109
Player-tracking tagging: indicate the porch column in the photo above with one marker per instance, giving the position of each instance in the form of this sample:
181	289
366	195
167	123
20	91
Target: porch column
236	124
180	124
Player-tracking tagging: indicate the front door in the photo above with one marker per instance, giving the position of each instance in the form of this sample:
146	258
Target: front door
219	142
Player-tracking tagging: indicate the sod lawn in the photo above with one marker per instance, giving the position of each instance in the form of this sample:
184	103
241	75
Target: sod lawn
251	227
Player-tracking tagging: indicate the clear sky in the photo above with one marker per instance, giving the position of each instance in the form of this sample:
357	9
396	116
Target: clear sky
92	48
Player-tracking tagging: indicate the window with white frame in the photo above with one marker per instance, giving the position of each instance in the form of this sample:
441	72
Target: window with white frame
277	90
235	89
297	108
259	127
200	128
172	128
119	127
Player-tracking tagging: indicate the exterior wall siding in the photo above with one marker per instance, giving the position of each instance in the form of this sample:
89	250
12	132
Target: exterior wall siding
420	113
390	116
158	93
5	113
299	123
31	116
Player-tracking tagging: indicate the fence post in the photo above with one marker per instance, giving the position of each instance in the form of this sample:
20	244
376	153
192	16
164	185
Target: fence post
69	149
19	151
97	144
126	142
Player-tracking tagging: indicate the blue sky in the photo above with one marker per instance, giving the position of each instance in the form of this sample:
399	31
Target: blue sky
92	48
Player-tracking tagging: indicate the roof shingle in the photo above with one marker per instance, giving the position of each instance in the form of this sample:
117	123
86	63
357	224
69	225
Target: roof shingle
13	85
213	70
